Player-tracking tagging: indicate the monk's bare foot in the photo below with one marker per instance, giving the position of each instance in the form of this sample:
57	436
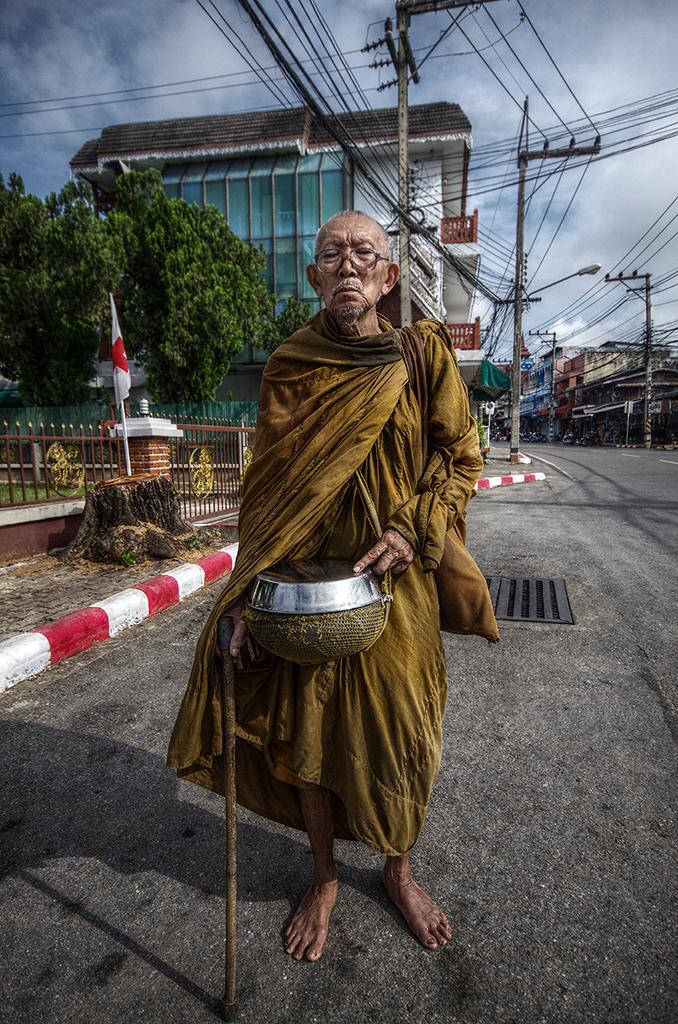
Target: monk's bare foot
308	930
423	917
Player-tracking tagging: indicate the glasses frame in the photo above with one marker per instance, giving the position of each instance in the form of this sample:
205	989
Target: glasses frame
348	254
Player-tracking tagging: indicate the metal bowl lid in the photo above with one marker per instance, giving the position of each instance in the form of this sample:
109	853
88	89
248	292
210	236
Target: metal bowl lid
311	587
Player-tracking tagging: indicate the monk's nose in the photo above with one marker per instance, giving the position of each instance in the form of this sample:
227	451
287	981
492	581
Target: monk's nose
346	268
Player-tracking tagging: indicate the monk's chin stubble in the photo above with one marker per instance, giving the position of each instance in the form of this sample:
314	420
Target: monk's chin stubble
349	315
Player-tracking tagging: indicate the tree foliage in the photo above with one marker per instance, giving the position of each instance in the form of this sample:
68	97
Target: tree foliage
193	292
290	319
57	264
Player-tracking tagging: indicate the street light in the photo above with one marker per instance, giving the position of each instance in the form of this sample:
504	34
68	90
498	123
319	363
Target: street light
592	268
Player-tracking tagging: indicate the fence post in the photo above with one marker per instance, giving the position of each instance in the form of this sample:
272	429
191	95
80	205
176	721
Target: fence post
8	457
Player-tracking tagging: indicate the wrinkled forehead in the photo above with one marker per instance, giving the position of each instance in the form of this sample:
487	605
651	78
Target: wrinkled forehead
352	231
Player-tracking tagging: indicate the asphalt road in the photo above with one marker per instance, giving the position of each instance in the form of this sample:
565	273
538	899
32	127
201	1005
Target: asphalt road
550	840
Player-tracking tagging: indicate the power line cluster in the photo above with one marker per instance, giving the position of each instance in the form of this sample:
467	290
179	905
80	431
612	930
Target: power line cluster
332	83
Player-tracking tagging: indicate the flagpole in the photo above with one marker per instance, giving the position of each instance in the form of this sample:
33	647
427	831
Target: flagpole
121	376
125	442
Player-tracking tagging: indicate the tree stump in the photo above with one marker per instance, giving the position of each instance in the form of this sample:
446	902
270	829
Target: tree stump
135	518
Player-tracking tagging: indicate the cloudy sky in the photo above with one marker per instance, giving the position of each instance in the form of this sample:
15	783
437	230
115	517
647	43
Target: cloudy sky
603	67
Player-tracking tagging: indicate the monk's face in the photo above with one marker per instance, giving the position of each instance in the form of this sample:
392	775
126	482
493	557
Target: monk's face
351	292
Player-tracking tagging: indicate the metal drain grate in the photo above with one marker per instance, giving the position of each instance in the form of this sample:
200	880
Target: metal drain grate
526	600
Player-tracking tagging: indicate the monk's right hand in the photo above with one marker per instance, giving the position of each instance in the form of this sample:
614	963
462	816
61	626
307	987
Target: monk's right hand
240	631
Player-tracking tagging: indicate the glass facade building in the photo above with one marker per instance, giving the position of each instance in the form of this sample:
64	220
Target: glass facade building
275	201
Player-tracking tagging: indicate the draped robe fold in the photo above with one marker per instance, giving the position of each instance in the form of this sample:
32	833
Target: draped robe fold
371	730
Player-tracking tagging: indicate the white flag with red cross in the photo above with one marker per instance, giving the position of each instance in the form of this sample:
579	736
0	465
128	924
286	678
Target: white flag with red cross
122	380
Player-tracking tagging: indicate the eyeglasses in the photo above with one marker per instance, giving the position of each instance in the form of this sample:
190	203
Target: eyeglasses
362	258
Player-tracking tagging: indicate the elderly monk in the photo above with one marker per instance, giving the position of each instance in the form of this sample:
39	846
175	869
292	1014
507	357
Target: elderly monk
353	752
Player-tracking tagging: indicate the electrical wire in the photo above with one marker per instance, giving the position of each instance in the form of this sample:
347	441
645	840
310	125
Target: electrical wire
488	13
495	75
276	93
525	15
562	219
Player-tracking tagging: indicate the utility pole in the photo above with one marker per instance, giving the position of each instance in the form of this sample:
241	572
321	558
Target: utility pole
524	156
635	276
404	63
552	398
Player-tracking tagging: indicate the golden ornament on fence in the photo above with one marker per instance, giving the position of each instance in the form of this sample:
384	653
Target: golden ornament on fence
201	471
65	467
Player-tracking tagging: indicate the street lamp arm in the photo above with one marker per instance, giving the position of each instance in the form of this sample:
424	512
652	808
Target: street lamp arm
592	269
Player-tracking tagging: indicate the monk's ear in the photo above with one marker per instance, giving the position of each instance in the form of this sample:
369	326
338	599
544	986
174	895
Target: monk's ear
313	278
392	275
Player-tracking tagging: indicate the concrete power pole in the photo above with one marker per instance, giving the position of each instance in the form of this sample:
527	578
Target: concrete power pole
403	165
523	158
647	415
404	63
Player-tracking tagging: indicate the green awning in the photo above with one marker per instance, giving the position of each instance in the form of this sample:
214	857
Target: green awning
490	383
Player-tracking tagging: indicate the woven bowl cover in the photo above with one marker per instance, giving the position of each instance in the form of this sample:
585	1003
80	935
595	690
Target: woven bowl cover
315	639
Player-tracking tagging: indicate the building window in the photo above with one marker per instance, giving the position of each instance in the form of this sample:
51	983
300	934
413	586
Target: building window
191	184
260	199
278	202
335	183
215	185
238	191
171	180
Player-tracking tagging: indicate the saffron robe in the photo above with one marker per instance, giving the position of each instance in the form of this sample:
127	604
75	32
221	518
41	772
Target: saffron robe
371	730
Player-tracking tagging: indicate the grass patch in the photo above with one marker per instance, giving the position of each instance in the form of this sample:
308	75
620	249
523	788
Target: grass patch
5	498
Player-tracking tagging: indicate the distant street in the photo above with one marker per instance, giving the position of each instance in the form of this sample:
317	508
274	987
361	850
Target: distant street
608	527
550	840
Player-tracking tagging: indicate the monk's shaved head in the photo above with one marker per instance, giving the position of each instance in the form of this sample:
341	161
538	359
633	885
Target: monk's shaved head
357	216
351	291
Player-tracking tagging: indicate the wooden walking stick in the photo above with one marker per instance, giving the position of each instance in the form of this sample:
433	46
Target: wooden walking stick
229	1003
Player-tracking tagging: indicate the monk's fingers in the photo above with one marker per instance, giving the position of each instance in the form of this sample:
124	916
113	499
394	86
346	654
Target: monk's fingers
399	565
392	552
240	634
399	554
370	557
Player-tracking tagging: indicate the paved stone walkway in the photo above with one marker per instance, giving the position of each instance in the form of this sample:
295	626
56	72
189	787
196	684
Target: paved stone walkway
43	588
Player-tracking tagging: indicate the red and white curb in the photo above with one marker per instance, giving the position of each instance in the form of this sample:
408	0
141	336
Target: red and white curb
27	654
519	478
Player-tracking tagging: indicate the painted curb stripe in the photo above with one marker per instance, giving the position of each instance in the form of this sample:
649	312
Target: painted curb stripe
28	654
75	632
519	478
162	592
189	579
127	608
217	564
21	657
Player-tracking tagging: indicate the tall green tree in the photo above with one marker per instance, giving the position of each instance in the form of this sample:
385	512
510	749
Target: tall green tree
290	319
57	265
193	292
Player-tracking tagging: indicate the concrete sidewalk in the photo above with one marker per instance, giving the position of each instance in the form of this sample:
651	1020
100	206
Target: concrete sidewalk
52	610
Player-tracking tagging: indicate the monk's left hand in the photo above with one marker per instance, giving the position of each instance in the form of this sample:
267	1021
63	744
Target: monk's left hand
391	552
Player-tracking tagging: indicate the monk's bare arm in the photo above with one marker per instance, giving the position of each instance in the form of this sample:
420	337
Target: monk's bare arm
392	552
